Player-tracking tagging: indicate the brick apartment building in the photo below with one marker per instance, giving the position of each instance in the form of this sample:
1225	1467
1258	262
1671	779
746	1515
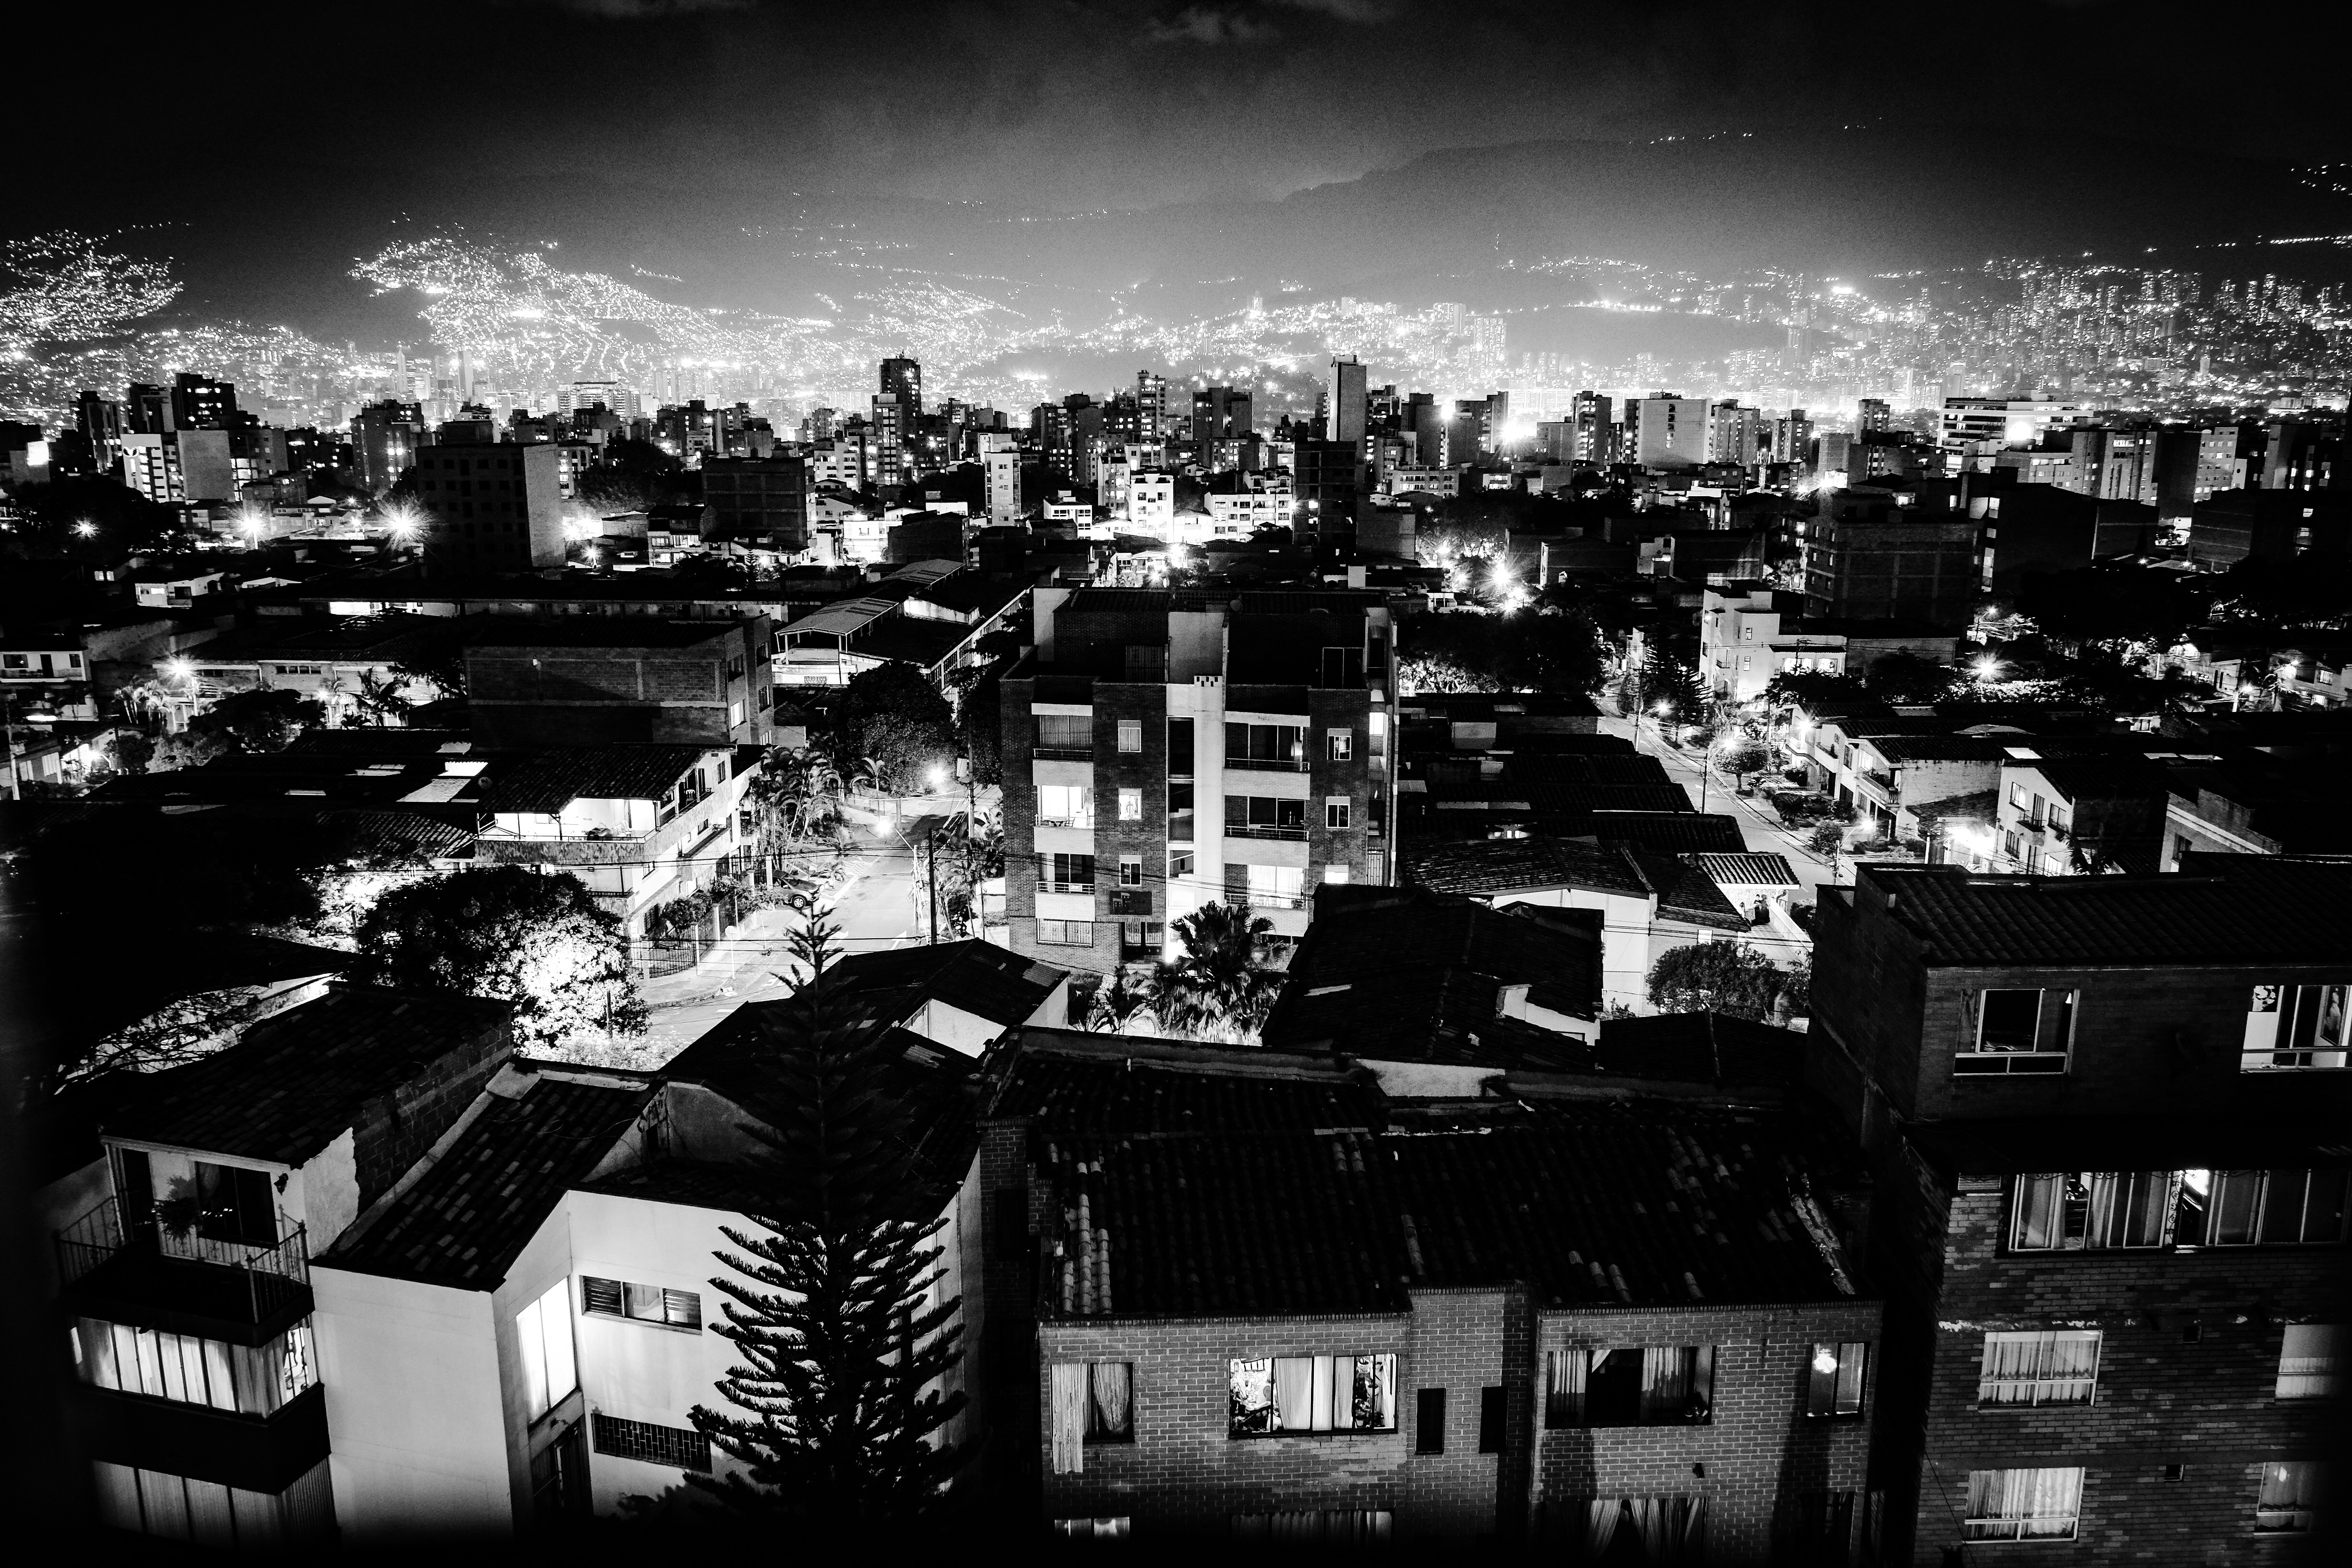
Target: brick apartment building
1163	751
758	500
1275	1300
2106	1118
588	679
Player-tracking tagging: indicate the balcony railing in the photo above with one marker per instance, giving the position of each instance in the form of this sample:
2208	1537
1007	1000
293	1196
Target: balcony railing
1266	764
1273	900
1046	885
184	1273
1247	830
1062	753
1085	822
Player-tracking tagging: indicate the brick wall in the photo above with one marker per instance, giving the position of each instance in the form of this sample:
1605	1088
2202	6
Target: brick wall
392	1131
2163	1398
1759	1453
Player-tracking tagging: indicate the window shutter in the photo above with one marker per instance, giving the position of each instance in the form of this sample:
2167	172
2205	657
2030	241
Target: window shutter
1429	1422
682	1309
1492	1404
600	1295
1069	1418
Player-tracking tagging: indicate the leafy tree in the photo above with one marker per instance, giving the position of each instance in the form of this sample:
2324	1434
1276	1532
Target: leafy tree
125	518
1661	678
191	748
1221	987
1547	650
1721	976
381	699
1742	755
1116	1002
439	668
895	716
832	1301
1809	687
266	718
509	932
1906	677
128	751
633	477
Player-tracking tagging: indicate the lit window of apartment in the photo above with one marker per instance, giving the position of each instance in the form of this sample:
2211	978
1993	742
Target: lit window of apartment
2288	1500
1653	1385
2310	1360
1833	1380
1341	744
1276	887
1065	934
2264	1208
2033	1367
1066	805
1130	735
2025	1505
1130	805
252	1379
544	1336
2093	1210
1092	1402
1272	1395
2291	1027
1317	1526
2018	1031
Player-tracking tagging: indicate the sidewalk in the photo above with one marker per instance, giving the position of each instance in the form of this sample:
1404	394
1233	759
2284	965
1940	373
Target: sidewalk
715	976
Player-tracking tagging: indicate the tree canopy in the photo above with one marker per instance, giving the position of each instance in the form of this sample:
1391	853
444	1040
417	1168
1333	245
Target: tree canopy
1545	649
266	718
1221	987
892	714
514	934
1722	976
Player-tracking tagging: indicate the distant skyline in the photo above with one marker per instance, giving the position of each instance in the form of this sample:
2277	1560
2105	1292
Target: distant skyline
1363	144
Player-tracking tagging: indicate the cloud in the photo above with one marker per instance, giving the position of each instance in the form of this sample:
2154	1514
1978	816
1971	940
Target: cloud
1202	25
1360	11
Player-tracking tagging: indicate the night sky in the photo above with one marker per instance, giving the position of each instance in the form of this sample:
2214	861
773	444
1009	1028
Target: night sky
711	139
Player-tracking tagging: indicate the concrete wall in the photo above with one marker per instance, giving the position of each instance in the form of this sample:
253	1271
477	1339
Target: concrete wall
413	1388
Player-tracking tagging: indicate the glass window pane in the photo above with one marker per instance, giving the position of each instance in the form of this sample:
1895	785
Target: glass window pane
2036	1219
2008	1020
2236	1195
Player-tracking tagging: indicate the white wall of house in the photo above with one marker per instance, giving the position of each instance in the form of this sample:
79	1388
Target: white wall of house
413	1400
1626	936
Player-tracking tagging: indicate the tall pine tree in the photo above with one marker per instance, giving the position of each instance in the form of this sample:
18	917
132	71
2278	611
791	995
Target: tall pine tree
837	1415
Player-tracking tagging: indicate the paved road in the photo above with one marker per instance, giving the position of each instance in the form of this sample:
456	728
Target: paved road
1759	825
874	910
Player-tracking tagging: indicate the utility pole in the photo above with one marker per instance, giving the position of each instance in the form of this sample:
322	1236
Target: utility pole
932	880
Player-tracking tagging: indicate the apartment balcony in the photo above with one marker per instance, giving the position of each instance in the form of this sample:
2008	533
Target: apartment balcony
1084	824
1246	830
142	1275
1266	764
254	1453
1046	885
1062	753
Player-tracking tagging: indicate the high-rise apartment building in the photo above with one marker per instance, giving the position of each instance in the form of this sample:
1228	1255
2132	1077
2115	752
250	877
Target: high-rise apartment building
1873	415
888	449
1001	456
902	379
1792	437
200	402
1151	406
1343	398
1165	750
1593	435
1734	434
385	438
2011	421
1666	431
496	506
758	500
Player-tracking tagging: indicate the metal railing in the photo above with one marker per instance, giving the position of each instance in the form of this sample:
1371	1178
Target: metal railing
1271	901
1048	885
1062	753
1266	764
272	1274
1244	830
1085	822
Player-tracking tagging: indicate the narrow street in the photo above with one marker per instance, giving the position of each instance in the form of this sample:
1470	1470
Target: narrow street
874	910
1759	826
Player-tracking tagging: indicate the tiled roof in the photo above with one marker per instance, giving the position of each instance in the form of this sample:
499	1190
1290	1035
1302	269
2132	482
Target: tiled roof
1604	1203
1899	749
470	1212
1686	892
550	781
1701	1047
297	1080
2235	908
1106	1086
1415	976
1666	832
595	631
972	976
1749	870
733	1189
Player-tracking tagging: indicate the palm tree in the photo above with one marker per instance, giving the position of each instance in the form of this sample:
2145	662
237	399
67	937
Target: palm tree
380	695
334	695
1220	988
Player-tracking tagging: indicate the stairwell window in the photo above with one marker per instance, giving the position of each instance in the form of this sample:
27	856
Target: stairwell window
1278	1395
643	1303
2071	1211
2310	1360
543	1343
2025	1505
2057	1367
2020	1031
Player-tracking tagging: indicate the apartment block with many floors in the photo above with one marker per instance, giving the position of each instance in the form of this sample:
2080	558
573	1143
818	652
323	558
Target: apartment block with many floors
2106	1117
1168	750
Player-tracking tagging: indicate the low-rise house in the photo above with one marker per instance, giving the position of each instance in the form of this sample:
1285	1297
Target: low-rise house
2249	803
1274	1303
593	679
2062	815
329	662
184	1268
930	615
960	995
638	824
1748	634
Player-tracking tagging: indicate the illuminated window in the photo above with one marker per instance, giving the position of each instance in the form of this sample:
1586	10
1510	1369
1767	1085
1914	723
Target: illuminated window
1834	1385
543	1341
1271	1395
2024	1505
2310	1360
2058	1366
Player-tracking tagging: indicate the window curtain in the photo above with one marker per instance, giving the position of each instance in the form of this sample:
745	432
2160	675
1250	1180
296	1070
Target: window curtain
1564	1387
1666	1373
1070	1396
2308	1361
1650	1521
2036	1227
1294	1393
1600	1526
1112	1385
1688	1534
1371	1399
